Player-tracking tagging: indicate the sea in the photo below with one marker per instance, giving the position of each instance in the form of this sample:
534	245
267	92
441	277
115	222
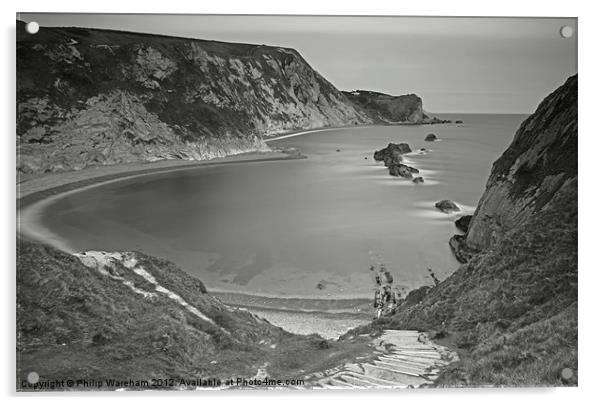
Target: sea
299	236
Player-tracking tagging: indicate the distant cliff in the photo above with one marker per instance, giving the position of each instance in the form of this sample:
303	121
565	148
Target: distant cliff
511	309
95	97
384	108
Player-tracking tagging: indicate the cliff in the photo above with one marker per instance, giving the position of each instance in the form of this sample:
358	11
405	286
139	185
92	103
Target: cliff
126	315
387	109
540	162
96	97
511	310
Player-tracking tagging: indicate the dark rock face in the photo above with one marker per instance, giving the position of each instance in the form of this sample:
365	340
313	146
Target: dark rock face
391	155
401	170
418	180
539	163
430	138
447	206
384	108
463	222
97	97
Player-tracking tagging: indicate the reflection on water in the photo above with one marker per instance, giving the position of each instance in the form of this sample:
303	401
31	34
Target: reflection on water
280	228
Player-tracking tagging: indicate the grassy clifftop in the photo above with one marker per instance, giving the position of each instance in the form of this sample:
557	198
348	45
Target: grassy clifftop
131	316
389	109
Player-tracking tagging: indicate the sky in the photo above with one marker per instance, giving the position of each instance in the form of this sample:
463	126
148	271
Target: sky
459	64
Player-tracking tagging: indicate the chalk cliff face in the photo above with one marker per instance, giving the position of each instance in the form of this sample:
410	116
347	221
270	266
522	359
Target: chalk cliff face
384	108
540	162
94	97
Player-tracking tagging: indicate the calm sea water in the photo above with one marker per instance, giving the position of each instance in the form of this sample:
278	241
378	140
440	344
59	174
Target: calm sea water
280	228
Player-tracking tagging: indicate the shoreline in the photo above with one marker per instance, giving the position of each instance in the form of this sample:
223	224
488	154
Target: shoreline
36	192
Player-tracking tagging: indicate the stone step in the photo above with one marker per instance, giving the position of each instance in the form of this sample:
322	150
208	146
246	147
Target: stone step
358	380
340	383
405	343
423	353
399	368
413	338
403	361
412	368
405	346
392	375
377	382
410	360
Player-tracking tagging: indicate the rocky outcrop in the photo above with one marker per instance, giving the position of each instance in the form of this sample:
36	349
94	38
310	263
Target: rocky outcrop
447	206
540	162
392	154
463	222
460	249
418	180
93	97
430	138
401	170
385	108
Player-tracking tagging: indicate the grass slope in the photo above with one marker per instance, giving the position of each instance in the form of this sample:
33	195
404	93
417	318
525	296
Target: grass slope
74	322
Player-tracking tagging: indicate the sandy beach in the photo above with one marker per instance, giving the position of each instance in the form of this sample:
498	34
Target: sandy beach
36	192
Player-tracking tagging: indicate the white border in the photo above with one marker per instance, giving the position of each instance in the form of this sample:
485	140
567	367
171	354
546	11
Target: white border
589	154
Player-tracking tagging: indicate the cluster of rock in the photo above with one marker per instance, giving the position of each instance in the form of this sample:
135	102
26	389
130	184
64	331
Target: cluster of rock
392	158
392	153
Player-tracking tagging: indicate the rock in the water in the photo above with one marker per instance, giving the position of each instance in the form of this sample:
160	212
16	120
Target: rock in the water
459	122
401	170
430	138
463	222
392	153
338	150
447	206
418	180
